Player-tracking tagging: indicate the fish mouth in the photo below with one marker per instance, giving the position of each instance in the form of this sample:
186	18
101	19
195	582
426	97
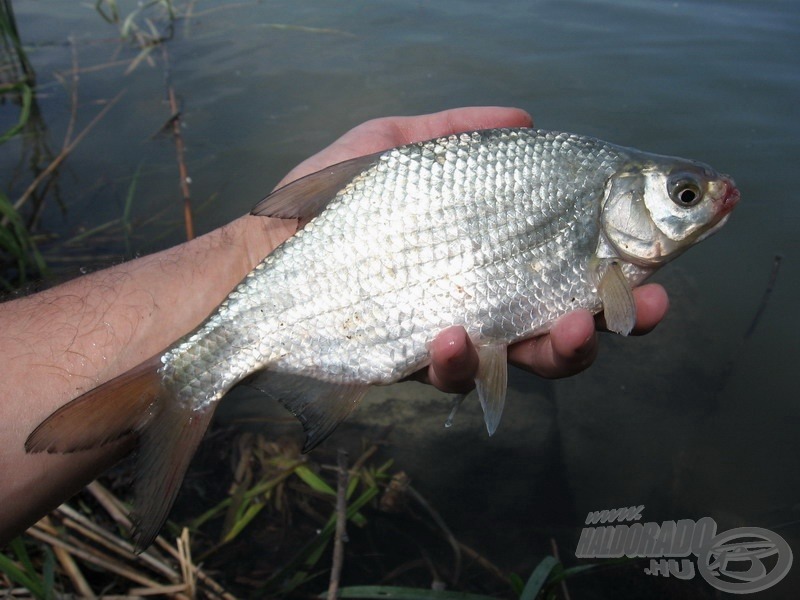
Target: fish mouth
724	204
729	198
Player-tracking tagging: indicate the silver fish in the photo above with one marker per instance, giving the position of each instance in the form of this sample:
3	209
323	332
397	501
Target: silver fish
499	231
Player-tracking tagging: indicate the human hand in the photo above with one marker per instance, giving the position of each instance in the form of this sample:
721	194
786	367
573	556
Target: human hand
571	345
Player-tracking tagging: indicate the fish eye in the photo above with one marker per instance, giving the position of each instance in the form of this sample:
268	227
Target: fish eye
685	191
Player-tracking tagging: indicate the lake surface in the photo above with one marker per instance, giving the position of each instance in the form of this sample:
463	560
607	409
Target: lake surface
698	419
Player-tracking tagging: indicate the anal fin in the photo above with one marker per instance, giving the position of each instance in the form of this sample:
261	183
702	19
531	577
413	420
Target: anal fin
492	383
319	405
619	308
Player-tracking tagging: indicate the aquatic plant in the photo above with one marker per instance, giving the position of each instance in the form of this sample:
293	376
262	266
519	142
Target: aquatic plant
270	535
18	252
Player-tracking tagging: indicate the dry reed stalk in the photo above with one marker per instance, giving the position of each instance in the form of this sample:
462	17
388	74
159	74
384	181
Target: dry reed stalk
92	557
69	565
117	511
484	562
437	519
362	460
180	149
340	535
164	590
188	570
56	162
81	524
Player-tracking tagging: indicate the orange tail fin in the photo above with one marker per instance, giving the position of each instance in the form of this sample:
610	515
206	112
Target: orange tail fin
101	415
136	401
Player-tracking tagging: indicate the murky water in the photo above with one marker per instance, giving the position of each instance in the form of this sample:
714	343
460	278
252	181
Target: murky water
693	420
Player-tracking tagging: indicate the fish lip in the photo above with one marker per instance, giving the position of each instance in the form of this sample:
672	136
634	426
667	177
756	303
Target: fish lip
730	198
724	205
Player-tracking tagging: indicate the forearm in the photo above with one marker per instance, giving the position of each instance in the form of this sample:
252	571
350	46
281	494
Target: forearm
61	342
58	344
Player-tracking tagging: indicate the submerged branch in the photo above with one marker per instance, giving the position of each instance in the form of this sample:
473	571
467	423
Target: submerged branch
729	367
773	276
437	519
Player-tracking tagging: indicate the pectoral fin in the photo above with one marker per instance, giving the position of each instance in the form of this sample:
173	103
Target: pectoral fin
319	405
491	383
619	308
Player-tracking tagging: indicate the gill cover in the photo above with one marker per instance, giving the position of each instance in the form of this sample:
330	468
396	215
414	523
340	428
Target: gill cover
654	211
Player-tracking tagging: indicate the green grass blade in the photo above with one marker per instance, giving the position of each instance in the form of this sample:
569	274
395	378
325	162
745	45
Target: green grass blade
308	556
128	22
10	244
49	573
127	228
517	585
352	484
25	112
314	481
21	552
241	523
29	581
90	232
16	240
538	578
256	490
113	16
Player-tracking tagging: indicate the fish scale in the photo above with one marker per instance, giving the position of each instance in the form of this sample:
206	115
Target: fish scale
500	261
498	231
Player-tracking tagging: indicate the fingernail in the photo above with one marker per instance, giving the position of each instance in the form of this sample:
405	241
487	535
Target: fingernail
461	356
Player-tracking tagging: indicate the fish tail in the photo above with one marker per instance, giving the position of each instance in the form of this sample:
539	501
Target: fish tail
102	415
134	402
167	445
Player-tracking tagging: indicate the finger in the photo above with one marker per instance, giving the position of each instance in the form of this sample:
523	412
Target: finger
652	304
388	132
457	120
569	347
454	362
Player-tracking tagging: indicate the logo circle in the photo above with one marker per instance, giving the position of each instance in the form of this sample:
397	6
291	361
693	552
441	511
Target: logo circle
725	550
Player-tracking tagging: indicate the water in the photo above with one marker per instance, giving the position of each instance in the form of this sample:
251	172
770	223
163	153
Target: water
689	421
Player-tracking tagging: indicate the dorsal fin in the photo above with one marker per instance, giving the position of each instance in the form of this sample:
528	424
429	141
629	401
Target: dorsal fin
306	197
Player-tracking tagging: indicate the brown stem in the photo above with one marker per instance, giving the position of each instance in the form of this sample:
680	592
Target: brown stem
183	172
341	520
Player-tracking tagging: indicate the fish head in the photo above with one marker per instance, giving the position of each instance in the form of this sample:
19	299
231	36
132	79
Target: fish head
656	208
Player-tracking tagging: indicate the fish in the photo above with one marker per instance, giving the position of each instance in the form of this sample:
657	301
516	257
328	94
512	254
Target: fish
500	231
